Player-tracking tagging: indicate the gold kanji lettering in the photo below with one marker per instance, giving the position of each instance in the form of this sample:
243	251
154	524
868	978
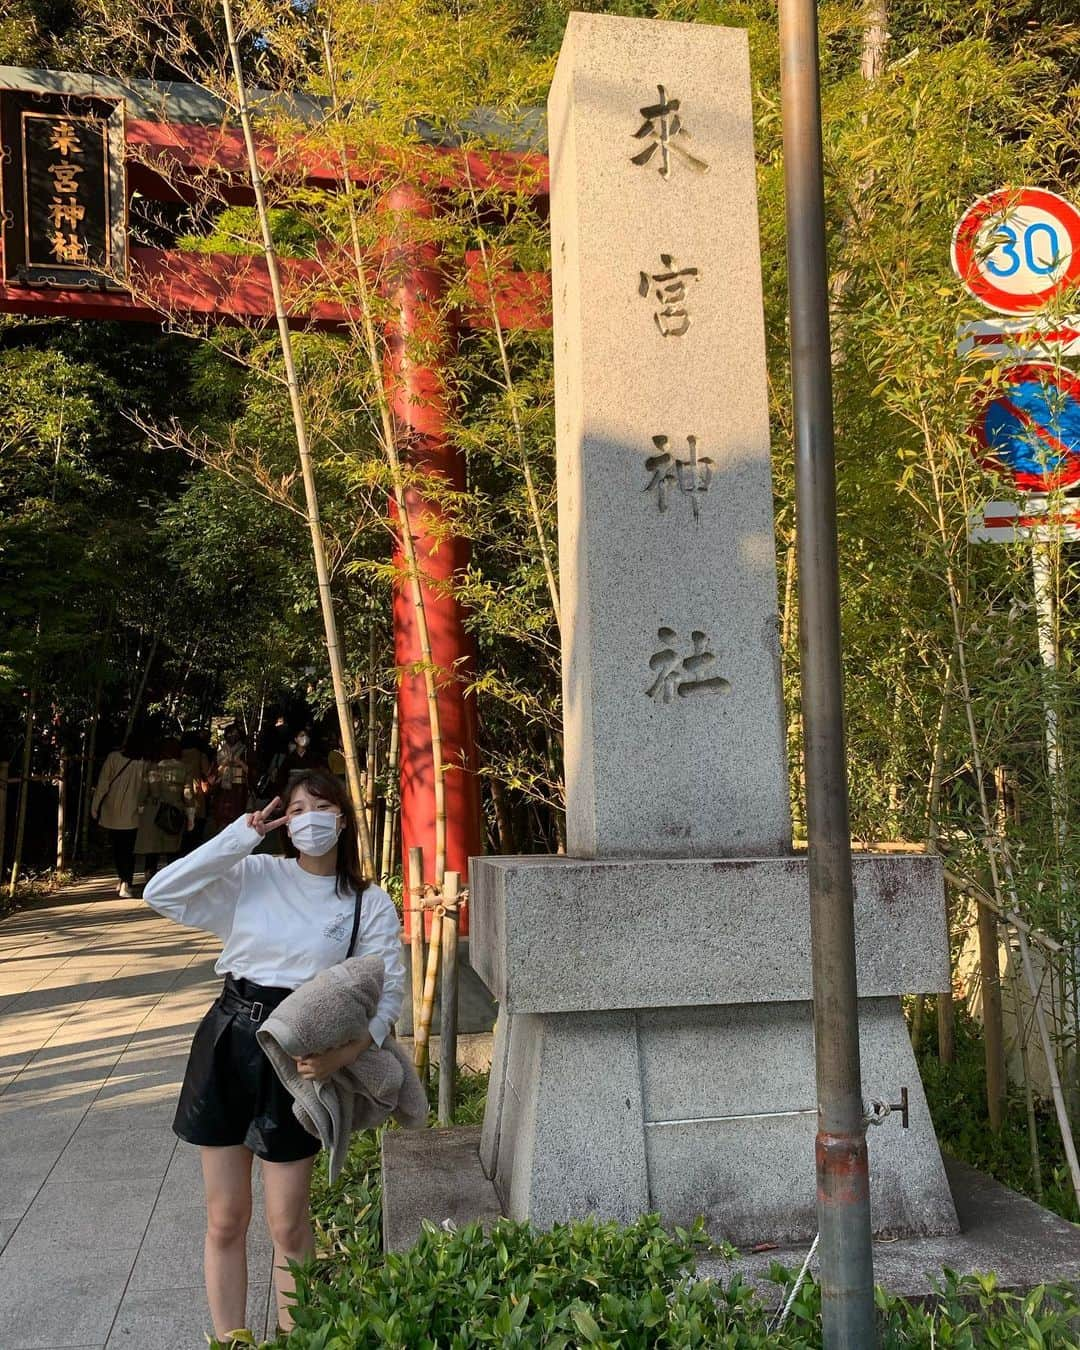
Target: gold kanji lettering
65	177
67	212
68	248
64	140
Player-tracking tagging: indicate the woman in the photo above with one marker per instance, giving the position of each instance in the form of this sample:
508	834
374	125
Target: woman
164	800
115	805
230	778
197	763
282	920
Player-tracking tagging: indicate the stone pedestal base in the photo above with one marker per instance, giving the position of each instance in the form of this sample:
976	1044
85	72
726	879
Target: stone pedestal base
703	1111
655	1046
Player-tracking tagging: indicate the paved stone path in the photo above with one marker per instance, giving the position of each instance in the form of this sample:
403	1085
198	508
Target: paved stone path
101	1210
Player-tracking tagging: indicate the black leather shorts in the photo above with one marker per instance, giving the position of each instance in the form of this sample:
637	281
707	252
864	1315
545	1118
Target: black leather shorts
231	1094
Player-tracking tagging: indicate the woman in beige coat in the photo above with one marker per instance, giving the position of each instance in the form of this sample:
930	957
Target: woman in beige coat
115	806
167	791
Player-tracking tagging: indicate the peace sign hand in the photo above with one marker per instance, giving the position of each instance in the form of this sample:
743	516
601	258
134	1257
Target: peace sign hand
258	820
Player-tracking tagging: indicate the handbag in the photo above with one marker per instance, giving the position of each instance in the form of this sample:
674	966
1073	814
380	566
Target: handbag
169	819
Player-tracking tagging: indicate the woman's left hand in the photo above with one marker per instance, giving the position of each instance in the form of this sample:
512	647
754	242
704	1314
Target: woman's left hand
318	1067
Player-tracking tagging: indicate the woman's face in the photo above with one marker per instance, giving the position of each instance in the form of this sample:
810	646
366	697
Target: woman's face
302	800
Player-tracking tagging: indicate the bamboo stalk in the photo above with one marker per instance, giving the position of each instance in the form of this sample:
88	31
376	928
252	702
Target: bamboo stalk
448	1022
318	547
1051	1067
511	393
917	1017
946	1009
993	1029
61	811
1025	1064
980	894
422	1033
397	478
390	815
372	741
946	1013
136	702
504	821
24	791
81	800
416	931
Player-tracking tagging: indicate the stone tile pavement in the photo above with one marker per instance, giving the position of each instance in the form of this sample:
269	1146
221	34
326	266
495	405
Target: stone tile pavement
101	1215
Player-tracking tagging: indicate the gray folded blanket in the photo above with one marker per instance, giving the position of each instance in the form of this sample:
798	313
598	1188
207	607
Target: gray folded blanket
328	1010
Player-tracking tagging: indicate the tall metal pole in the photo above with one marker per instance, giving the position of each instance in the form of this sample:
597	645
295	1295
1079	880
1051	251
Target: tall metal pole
847	1272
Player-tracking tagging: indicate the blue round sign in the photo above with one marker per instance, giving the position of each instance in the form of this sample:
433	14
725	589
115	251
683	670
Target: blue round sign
1028	427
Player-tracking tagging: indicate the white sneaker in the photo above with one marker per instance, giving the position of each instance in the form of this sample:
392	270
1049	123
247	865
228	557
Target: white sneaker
125	892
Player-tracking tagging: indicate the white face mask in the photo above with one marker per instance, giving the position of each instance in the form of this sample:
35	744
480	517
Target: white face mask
314	832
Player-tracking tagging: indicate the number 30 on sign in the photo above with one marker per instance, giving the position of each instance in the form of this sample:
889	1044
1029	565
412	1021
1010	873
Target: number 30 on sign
1017	248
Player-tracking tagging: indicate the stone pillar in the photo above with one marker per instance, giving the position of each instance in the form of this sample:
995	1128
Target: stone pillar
655	1046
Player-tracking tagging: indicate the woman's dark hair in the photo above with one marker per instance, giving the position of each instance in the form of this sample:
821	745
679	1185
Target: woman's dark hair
327	788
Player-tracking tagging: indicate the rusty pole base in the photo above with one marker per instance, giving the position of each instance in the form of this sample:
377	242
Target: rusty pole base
843	1195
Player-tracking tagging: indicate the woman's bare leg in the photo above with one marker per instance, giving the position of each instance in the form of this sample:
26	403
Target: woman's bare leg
287	1195
227	1182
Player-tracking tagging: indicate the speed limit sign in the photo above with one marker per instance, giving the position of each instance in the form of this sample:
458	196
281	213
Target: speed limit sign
1017	248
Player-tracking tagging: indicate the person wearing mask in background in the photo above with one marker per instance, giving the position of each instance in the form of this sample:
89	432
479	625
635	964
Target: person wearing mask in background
197	763
165	799
115	806
301	759
231	789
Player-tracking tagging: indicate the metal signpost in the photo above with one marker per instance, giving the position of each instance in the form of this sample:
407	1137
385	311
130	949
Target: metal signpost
847	1266
1016	251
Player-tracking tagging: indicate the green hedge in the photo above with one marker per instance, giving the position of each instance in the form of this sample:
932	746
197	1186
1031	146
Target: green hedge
593	1285
604	1285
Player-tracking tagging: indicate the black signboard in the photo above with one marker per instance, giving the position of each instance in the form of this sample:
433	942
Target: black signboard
63	202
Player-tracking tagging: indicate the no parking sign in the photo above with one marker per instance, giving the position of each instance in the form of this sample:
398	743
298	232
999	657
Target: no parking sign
1016	248
1028	427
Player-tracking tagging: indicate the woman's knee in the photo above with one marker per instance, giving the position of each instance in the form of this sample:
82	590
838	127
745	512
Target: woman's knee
290	1232
227	1221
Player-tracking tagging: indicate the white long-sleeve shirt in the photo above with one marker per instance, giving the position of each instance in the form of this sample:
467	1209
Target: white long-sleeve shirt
280	925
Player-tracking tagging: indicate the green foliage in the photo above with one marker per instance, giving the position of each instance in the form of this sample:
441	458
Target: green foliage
594	1284
956	1095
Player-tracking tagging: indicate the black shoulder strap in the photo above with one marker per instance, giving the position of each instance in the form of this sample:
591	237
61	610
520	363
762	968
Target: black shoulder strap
357	906
113	780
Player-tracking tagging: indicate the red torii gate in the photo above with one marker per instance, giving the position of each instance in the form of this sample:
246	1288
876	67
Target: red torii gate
181	127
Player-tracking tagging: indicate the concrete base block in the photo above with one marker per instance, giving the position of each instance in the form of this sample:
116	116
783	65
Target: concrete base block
569	1139
1022	1243
698	1111
557	934
438	1176
433	1175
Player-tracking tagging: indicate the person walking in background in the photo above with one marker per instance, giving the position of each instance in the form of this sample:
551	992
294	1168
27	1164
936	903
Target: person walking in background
166	798
115	806
230	792
197	764
302	758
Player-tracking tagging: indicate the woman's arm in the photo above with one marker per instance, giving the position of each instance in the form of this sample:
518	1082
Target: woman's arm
201	889
381	936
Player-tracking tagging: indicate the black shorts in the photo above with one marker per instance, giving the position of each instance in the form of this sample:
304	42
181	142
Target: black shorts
231	1094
